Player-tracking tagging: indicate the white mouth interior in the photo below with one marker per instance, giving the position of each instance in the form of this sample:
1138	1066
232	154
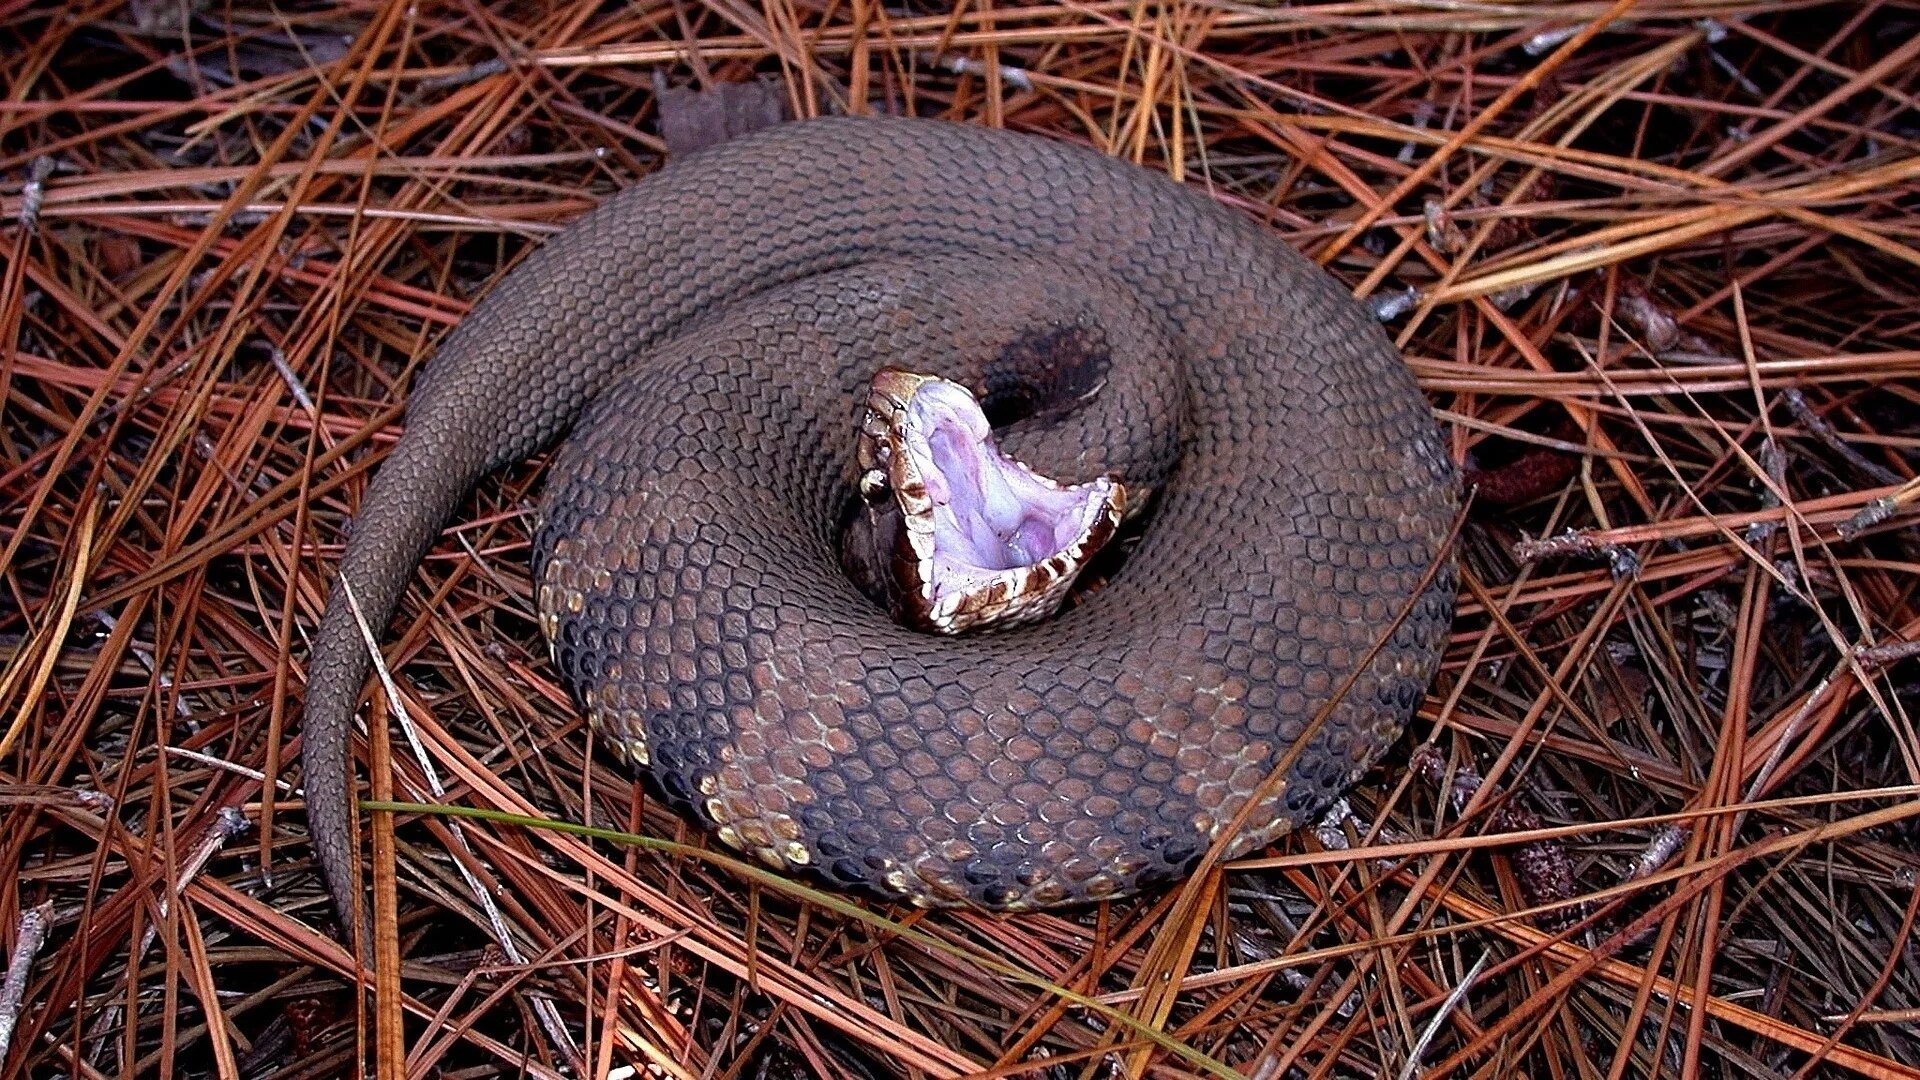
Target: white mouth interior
992	517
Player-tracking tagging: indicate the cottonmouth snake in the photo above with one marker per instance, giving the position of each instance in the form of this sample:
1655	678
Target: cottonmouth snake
708	337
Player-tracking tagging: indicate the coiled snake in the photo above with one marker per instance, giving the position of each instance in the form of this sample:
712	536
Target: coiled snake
711	338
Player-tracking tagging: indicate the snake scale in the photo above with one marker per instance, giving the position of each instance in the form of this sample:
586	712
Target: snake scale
709	337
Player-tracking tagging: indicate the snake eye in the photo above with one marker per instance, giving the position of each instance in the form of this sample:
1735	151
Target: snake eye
989	542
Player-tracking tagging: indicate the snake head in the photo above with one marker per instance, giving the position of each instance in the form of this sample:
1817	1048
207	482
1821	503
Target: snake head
982	540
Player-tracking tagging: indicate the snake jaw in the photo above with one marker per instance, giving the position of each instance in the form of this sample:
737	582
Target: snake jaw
985	541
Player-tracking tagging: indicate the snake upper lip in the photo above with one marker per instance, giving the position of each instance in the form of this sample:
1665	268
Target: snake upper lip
988	541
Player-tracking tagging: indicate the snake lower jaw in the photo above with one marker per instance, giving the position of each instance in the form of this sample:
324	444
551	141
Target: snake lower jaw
973	539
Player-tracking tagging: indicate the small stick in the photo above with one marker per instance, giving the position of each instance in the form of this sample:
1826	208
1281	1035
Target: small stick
34	192
1879	656
34	923
1620	559
1817	425
1879	510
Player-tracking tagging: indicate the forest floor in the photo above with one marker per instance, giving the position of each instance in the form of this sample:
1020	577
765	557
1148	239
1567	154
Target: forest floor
1655	265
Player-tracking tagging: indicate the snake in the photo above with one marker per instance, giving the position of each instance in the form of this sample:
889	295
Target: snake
827	405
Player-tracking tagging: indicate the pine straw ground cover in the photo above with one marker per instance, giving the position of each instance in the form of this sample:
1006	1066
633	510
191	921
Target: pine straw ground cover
1654	264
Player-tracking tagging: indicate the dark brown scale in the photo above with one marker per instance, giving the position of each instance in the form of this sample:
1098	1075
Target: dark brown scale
712	330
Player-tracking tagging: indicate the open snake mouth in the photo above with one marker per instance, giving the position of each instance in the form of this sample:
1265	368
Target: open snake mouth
983	540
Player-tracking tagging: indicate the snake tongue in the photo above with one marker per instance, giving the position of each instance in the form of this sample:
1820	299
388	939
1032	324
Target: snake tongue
986	541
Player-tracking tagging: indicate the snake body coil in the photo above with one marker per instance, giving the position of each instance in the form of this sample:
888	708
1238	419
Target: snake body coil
708	336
